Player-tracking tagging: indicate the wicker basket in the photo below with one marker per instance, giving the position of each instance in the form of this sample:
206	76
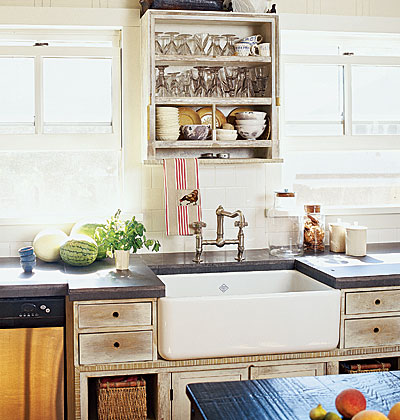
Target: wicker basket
122	398
366	366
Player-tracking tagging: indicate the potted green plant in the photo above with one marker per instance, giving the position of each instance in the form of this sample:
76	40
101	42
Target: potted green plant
120	237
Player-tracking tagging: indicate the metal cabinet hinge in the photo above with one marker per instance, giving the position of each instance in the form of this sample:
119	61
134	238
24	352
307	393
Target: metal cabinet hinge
171	394
278	101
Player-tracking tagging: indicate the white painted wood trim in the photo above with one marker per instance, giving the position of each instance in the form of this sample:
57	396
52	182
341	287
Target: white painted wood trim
68	17
339	23
336	143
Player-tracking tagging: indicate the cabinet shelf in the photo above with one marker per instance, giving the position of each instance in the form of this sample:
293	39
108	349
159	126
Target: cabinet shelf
230	161
193	60
196	144
213	101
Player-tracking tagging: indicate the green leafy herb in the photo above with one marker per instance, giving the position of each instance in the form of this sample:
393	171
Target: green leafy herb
124	235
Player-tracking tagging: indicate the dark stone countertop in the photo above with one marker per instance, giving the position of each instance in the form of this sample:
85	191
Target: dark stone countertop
380	267
100	280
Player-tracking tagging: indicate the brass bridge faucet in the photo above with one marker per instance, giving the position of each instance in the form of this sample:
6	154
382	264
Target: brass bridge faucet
220	241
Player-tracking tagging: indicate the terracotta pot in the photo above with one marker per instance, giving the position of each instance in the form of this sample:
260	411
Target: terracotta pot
121	260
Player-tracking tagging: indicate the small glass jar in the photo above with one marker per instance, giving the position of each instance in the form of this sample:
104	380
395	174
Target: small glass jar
285	226
314	229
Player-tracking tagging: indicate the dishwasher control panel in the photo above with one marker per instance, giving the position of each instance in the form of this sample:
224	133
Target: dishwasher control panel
45	311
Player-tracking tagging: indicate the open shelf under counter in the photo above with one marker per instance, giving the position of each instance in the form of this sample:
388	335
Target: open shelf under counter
213	101
204	60
179	144
230	161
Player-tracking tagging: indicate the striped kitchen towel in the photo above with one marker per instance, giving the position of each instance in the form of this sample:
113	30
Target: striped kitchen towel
182	195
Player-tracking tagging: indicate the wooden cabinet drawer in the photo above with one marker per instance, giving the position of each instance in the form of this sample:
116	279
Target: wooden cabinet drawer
372	332
115	315
367	302
115	347
287	371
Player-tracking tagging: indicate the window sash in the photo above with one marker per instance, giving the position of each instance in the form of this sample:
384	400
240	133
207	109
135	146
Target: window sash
347	62
45	141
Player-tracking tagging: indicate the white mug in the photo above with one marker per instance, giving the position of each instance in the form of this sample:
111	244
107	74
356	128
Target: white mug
261	49
253	39
242	49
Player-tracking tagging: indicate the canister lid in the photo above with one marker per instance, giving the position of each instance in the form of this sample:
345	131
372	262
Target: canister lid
285	193
312	208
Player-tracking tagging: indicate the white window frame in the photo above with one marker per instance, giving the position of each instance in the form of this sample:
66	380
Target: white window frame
68	141
347	141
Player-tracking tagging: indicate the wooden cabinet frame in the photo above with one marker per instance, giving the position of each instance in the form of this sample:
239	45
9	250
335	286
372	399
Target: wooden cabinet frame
193	22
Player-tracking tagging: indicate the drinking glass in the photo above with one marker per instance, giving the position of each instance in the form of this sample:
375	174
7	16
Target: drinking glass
159	43
184	48
161	84
215	90
171	48
173	84
229	48
201	89
215	49
201	41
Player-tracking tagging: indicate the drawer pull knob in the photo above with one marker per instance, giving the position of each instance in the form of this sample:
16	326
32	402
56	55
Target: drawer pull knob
115	314
376	330
116	344
377	302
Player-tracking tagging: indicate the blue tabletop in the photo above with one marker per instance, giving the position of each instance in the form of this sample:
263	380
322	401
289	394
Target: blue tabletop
289	398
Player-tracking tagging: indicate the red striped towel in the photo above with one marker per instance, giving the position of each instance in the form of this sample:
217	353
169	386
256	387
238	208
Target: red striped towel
182	195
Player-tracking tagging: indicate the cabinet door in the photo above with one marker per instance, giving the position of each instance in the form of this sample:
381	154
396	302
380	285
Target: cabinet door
287	371
181	403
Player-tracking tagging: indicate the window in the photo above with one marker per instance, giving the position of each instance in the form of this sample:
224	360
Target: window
341	117
60	123
341	84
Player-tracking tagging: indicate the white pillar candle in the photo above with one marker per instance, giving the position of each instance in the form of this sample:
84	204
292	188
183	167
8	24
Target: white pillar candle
356	240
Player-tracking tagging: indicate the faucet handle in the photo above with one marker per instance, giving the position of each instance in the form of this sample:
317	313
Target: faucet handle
198	225
240	224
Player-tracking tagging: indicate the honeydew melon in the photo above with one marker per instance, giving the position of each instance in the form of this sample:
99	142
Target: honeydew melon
47	244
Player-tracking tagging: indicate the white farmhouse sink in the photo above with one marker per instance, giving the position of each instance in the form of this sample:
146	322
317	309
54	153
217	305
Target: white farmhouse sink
246	313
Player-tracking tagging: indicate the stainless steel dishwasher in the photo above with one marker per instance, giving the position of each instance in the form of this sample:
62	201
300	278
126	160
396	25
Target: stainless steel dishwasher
32	358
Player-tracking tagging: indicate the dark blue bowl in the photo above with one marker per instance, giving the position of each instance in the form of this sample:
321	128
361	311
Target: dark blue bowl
27	250
28	266
27	258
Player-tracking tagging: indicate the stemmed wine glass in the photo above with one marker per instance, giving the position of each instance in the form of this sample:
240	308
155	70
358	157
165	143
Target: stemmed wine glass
171	48
201	89
229	48
159	50
215	49
201	41
184	48
161	84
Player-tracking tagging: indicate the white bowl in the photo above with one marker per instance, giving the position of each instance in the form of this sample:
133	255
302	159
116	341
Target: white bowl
227	136
250	133
223	131
250	122
251	115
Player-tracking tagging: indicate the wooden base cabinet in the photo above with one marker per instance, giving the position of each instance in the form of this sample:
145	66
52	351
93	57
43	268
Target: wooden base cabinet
180	401
287	371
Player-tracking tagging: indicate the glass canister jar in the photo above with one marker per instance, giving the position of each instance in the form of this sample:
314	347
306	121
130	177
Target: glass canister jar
285	226
314	228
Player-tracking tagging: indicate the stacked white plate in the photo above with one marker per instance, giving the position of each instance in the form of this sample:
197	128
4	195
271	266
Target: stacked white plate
167	123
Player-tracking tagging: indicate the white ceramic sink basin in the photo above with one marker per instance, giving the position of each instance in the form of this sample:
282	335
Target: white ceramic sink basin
246	313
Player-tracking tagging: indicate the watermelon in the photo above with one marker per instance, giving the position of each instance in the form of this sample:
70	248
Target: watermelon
88	228
79	250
